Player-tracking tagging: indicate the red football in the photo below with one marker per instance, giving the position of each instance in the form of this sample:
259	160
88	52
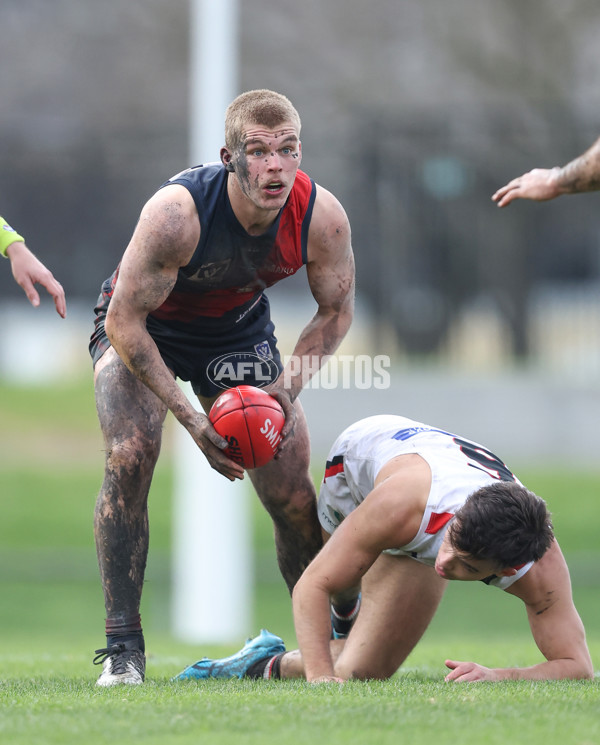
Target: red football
251	421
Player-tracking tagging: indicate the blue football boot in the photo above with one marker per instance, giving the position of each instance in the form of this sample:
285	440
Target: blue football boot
262	647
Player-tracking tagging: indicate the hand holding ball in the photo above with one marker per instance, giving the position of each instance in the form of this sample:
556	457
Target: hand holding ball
251	421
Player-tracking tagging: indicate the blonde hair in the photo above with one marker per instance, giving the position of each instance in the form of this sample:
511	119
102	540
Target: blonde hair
263	107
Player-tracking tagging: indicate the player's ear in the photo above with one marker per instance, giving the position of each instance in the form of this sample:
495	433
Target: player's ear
508	572
227	159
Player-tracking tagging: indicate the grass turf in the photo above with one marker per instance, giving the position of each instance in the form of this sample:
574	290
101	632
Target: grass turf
51	618
411	706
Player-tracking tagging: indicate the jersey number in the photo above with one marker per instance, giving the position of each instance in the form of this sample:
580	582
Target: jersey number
485	460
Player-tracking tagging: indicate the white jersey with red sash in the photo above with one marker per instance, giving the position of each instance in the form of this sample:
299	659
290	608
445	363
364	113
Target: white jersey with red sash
458	468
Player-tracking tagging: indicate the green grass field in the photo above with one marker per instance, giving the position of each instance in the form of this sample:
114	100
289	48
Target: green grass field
51	620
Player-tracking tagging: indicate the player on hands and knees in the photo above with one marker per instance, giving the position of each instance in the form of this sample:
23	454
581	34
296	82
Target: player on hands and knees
409	507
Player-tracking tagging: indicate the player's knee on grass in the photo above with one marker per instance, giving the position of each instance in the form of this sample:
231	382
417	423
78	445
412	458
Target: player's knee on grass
360	662
362	671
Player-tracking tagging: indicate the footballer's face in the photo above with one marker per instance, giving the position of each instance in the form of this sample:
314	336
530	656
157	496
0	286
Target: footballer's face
265	164
458	565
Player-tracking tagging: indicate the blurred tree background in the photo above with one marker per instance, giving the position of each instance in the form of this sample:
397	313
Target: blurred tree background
413	114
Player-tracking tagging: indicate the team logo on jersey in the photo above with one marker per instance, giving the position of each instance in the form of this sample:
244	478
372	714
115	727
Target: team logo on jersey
237	368
263	350
212	273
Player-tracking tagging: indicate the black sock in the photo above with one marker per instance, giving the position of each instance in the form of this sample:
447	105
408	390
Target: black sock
343	617
268	668
125	629
275	664
347	610
135	640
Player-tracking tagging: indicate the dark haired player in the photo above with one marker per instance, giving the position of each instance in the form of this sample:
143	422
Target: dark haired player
407	507
190	289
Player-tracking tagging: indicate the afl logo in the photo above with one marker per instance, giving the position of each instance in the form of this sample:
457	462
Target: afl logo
236	368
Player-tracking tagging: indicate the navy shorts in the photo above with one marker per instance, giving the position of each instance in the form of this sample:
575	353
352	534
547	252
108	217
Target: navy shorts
215	357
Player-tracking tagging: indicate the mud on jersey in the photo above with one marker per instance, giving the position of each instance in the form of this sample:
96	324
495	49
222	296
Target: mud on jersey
230	268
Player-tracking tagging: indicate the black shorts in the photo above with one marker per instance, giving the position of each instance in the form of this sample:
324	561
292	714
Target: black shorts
213	356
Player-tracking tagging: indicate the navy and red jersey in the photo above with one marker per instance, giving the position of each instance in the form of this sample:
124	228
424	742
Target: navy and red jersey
230	268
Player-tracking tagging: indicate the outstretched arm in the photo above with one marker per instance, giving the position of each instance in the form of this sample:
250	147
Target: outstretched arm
381	521
330	271
164	240
29	271
541	184
340	565
555	625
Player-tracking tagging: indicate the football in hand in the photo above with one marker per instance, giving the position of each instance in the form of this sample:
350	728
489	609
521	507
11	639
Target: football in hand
251	421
